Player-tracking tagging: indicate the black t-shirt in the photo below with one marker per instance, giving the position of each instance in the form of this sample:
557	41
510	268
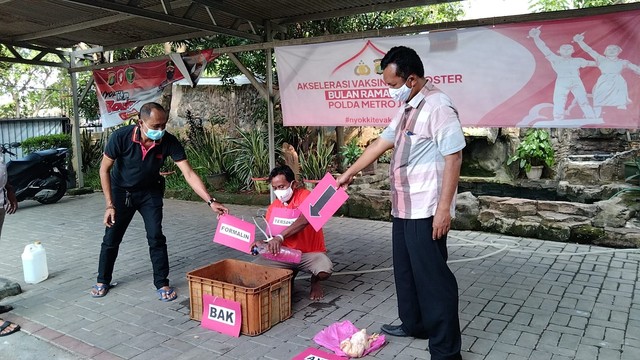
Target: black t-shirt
133	169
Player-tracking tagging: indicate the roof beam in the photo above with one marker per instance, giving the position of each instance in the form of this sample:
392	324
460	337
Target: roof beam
179	37
161	17
261	89
166	5
35	47
191	11
32	62
36	57
360	10
90	24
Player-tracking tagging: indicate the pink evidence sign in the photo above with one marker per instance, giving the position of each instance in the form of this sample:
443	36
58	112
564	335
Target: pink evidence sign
325	199
315	354
280	219
221	315
235	233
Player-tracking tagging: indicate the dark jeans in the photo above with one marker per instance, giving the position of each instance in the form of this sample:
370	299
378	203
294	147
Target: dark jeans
426	288
149	204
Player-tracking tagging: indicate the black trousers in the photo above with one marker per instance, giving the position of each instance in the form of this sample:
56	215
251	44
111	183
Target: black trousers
149	204
426	288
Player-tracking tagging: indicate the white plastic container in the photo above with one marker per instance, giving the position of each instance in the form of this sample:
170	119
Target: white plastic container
34	263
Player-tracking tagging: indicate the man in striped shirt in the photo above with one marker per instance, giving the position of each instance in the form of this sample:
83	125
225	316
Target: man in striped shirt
427	139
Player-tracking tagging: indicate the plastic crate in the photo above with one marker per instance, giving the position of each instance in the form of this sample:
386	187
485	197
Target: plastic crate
264	293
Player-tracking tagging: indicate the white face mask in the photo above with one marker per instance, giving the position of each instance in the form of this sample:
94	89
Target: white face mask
401	94
285	194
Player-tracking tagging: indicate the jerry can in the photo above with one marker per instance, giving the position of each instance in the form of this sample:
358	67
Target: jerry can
34	263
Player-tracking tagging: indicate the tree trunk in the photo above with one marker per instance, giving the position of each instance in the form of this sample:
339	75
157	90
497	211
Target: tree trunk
16	100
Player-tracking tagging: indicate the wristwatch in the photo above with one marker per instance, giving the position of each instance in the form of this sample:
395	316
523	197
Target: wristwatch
211	201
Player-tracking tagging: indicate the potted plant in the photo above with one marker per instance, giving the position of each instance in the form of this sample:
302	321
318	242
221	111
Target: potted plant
534	152
251	158
208	150
317	161
350	152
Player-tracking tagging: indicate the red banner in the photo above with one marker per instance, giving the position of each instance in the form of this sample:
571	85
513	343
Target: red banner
122	90
580	72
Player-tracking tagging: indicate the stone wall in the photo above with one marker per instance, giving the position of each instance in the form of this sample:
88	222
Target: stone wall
611	222
607	215
235	105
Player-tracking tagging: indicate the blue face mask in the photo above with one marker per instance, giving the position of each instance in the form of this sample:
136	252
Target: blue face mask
154	135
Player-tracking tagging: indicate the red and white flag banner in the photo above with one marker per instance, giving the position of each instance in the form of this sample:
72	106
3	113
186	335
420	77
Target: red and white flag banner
122	90
579	72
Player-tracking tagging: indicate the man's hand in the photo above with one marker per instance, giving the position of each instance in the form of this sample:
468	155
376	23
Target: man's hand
219	208
12	205
109	216
578	38
441	223
275	244
344	180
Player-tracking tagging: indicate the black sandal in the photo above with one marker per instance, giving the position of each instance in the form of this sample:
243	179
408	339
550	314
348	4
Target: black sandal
5	325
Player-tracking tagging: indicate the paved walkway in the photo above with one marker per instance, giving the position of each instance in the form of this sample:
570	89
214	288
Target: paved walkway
520	298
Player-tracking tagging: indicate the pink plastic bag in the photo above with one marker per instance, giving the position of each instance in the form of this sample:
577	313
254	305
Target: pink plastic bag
331	336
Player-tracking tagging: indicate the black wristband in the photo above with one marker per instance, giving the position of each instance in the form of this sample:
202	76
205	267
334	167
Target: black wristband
211	201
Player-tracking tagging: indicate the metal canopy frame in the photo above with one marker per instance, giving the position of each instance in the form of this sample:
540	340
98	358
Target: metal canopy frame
49	26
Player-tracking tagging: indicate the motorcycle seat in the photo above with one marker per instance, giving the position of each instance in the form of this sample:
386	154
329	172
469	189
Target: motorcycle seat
31	160
15	167
46	153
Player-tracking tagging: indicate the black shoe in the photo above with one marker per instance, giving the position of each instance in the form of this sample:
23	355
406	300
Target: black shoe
5	308
393	330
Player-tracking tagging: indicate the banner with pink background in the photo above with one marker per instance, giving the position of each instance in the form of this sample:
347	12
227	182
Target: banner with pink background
580	72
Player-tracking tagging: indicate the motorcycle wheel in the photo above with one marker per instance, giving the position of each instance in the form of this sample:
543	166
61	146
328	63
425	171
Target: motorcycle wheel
53	195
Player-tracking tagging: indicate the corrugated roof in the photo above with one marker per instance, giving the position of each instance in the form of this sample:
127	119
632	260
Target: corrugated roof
121	23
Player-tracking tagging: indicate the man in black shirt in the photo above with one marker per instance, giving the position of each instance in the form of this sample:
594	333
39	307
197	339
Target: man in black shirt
136	153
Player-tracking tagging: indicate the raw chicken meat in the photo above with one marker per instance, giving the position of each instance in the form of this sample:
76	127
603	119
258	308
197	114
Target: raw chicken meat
357	344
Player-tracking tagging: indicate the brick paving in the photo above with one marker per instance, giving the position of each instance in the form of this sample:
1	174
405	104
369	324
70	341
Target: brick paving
519	298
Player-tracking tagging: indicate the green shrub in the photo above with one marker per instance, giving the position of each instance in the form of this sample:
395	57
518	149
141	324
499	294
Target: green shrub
250	155
44	142
209	150
234	185
92	178
534	150
91	150
173	176
318	160
350	152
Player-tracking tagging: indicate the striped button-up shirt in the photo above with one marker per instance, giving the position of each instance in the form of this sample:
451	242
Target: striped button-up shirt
425	130
3	183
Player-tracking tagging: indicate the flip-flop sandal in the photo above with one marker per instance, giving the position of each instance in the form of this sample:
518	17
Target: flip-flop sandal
166	295
5	308
5	325
104	289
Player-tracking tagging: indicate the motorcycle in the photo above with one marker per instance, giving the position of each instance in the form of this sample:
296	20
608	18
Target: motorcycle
41	175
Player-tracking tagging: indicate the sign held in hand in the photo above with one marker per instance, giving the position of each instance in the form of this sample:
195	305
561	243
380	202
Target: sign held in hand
325	199
235	233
